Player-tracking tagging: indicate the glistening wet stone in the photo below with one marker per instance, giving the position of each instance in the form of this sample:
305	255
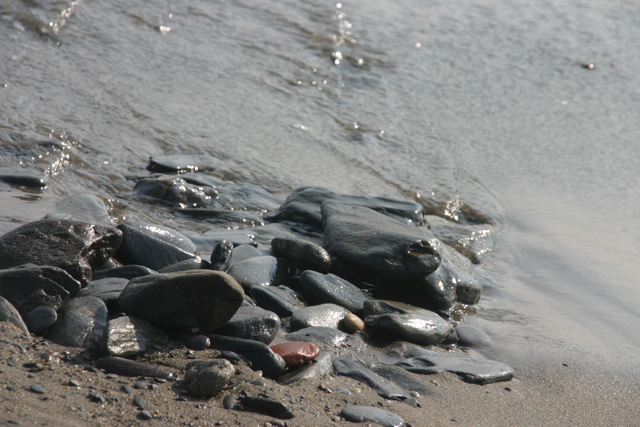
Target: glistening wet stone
81	323
125	272
130	368
8	313
328	315
40	319
76	247
324	337
182	163
241	253
368	414
108	290
303	254
186	265
349	366
323	365
477	371
259	354
203	299
393	251
128	336
264	271
175	191
87	208
328	288
220	255
278	299
252	323
471	240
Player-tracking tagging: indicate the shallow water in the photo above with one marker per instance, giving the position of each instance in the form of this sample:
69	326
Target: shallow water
481	111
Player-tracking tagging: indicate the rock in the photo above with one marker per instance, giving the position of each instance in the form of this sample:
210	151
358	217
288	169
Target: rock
229	401
81	323
198	342
303	254
352	323
324	337
20	179
220	255
130	368
267	406
29	286
477	371
349	366
145	415
175	191
471	240
177	163
73	246
8	313
252	323
320	288
279	299
128	336
296	353
108	290
264	271
125	272
40	319
303	207
186	265
393	251
141	248
369	414
241	253
323	365
328	315
390	321
86	208
404	379
406	350
468	336
214	236
208	378
259	354
203	299
37	388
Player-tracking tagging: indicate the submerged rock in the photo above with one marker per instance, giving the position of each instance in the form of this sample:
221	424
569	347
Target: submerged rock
303	254
393	251
468	336
202	299
320	288
404	379
279	299
87	208
369	414
477	371
108	290
76	247
175	191
128	336
208	378
178	163
471	240
81	323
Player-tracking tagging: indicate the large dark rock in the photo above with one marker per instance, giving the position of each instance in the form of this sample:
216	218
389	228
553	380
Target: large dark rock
142	248
108	290
204	299
303	254
477	371
252	323
29	286
264	271
319	288
372	247
393	322
76	247
8	313
279	299
81	323
175	191
259	354
302	207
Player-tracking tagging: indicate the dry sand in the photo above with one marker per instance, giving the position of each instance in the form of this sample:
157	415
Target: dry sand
546	395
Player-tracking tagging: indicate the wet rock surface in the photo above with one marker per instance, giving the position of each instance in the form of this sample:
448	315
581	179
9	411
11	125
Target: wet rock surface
252	323
76	247
349	366
128	336
108	290
259	354
279	299
327	315
324	337
8	313
40	319
81	323
125	272
323	365
263	271
478	371
175	191
303	254
328	288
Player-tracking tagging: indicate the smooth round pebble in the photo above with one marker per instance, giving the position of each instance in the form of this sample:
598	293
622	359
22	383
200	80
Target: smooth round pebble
363	414
145	415
198	342
37	388
352	323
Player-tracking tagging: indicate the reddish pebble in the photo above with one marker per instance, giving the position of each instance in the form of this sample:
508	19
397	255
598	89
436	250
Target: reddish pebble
295	352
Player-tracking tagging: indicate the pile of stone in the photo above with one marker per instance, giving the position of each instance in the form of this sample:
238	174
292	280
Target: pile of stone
325	283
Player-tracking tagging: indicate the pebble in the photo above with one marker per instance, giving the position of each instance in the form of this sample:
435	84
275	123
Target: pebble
130	368
352	323
127	388
40	319
296	353
328	288
37	388
81	323
252	323
363	414
208	378
229	401
141	385
198	342
327	315
139	402
263	270
303	254
477	371
145	415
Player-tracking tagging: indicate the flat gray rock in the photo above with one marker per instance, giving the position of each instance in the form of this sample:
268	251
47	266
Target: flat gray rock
252	323
204	299
349	366
405	323
279	299
393	251
108	290
322	365
76	247
127	336
264	271
477	371
324	337
327	288
369	414
8	313
303	254
81	323
328	315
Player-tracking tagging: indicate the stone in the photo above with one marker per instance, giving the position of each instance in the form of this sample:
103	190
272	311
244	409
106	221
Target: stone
229	401
142	248
468	336
406	350
130	368
87	208
259	354
127	336
268	406
278	299
186	265
37	388
29	286
323	365
393	251
349	366
76	247
40	319
108	290
328	288
370	414
203	299
81	323
223	216
263	271
328	315
303	254
352	323
125	272
140	402
324	337
252	323
471	240
178	163
393	322
20	179
302	207
404	379
296	353
175	191
220	255
241	253
208	378
477	371
8	313
198	342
